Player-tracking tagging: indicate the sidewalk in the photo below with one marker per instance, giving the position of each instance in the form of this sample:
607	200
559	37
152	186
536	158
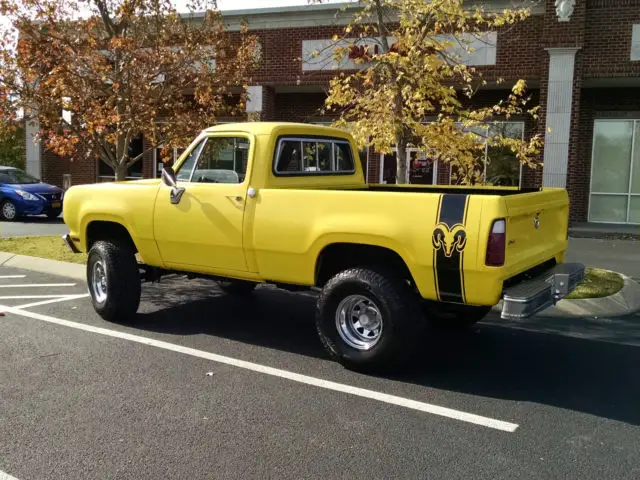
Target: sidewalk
618	255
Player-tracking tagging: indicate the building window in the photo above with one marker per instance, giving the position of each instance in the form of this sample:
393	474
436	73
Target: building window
159	160
66	181
421	170
308	156
497	165
615	172
105	172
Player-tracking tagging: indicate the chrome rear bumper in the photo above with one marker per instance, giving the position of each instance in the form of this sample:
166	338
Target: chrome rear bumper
531	296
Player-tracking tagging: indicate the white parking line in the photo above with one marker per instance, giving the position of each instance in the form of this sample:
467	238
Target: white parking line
12	276
6	476
54	300
276	372
36	285
26	297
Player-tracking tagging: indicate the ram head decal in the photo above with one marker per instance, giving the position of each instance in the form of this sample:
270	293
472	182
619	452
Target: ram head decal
449	239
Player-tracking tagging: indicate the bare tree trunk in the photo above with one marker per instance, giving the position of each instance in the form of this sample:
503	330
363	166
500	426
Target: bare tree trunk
401	161
121	172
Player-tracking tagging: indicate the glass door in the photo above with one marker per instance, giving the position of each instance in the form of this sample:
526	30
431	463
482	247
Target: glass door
421	171
615	172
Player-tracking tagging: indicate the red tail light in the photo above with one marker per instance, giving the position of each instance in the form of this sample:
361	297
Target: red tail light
497	243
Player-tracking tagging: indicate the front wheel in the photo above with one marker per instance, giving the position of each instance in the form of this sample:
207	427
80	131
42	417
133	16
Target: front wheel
114	280
8	211
367	320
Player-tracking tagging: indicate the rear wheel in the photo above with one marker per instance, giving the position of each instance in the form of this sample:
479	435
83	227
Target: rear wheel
450	316
367	320
114	280
8	211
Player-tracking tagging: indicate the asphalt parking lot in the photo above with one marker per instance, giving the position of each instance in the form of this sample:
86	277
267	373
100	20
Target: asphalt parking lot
207	385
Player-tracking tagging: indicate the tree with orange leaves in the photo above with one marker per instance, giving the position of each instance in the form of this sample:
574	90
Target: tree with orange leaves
97	74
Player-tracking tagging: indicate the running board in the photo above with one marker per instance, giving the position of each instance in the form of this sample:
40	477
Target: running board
531	296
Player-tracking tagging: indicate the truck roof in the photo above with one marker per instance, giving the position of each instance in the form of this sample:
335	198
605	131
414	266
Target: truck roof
268	128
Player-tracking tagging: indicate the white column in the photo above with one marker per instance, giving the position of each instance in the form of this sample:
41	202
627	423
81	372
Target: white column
33	164
558	125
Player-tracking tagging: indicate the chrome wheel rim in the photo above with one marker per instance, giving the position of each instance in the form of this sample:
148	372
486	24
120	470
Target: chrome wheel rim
359	322
99	281
9	210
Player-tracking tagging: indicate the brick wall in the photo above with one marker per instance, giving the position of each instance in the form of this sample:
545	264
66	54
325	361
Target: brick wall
600	28
607	47
518	52
299	107
53	167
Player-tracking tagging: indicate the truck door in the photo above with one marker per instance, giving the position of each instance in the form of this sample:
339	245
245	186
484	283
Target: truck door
204	229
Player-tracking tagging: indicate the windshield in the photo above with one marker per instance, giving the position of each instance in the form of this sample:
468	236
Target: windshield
14	177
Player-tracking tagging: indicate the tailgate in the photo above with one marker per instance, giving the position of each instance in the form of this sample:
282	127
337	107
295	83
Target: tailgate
537	226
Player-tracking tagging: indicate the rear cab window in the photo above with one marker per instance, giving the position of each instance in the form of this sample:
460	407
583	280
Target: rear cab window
302	156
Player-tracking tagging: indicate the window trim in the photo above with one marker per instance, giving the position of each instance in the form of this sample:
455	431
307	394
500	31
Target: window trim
311	139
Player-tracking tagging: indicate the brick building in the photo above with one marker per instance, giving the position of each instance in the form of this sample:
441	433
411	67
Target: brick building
581	60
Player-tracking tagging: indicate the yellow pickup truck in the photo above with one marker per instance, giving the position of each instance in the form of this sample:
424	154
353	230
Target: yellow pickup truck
287	204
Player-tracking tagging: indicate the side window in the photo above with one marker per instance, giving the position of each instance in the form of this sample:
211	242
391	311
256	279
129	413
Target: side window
290	158
184	173
344	158
216	160
325	159
222	160
309	156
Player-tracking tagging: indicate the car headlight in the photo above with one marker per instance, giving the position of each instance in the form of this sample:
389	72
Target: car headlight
26	195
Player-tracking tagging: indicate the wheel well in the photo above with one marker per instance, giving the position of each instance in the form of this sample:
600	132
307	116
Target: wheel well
342	256
100	230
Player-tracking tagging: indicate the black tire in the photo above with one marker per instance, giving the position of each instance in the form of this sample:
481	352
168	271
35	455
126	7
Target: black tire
400	318
8	206
121	280
451	316
54	213
237	287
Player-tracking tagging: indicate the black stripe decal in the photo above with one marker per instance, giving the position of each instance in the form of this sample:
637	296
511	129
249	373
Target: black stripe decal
449	241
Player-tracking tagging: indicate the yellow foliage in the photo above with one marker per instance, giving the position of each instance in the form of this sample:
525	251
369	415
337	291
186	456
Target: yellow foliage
412	91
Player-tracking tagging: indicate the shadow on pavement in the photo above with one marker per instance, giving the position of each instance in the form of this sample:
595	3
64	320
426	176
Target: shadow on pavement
592	377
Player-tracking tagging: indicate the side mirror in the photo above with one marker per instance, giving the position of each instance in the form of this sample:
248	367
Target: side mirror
169	178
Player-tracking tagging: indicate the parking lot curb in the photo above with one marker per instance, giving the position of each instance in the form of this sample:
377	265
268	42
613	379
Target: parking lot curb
625	302
43	265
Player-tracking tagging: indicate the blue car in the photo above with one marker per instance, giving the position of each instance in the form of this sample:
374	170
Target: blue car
21	194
